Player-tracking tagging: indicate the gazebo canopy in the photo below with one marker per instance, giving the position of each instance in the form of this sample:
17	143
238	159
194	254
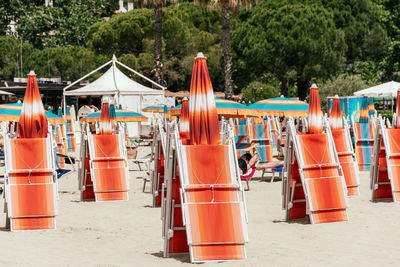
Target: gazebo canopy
388	89
114	82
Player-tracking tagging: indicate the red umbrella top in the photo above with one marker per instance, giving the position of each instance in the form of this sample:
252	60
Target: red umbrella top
203	117
184	120
32	121
397	120
314	112
105	125
335	118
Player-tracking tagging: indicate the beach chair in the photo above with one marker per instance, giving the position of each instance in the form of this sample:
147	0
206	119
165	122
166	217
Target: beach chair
157	171
213	204
385	172
247	176
314	185
173	228
347	158
30	183
364	134
108	166
84	174
274	131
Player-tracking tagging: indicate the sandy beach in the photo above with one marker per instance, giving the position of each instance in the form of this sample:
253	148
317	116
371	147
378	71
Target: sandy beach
129	233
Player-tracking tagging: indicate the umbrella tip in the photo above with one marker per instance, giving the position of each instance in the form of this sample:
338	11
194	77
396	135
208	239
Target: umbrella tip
32	72
314	85
200	55
185	98
336	96
282	96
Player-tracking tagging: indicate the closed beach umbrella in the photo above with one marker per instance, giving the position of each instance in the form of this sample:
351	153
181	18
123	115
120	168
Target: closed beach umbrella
335	118
32	122
364	114
105	126
203	117
371	106
184	120
314	112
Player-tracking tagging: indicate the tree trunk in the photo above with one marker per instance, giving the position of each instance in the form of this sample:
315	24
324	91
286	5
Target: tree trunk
157	68
226	47
302	87
284	88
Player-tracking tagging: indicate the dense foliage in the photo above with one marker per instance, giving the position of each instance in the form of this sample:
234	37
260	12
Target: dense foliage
278	46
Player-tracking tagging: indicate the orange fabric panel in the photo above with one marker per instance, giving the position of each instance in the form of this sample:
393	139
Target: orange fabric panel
394	161
106	146
178	243
326	194
109	169
32	202
324	185
205	223
36	223
208	164
218	252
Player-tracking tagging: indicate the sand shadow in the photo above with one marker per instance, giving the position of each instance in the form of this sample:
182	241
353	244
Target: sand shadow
383	200
181	257
304	221
148	206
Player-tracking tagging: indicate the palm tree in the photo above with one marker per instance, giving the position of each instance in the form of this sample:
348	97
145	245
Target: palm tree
226	6
158	5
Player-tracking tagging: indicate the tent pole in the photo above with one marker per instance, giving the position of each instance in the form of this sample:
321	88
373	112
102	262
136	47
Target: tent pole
144	77
87	75
64	105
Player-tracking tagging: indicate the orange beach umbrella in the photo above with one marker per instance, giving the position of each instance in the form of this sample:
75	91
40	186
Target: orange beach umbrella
335	118
397	119
32	122
105	126
314	112
184	120
203	117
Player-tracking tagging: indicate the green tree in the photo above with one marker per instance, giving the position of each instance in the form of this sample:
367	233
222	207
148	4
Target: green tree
226	7
292	42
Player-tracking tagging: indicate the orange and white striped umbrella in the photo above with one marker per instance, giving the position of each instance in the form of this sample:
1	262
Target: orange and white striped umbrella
314	112
203	117
184	120
105	126
335	118
32	121
397	119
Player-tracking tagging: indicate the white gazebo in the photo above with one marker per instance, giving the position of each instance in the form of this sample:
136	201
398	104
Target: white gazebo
128	93
386	90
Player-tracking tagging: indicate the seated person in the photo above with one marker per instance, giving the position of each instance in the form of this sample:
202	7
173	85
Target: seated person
248	161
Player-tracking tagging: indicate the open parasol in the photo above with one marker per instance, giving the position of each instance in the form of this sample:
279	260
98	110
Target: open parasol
280	106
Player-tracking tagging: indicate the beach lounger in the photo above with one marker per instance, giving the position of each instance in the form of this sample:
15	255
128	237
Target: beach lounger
157	171
364	134
108	166
173	228
347	158
84	175
385	172
315	185
213	205
30	183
